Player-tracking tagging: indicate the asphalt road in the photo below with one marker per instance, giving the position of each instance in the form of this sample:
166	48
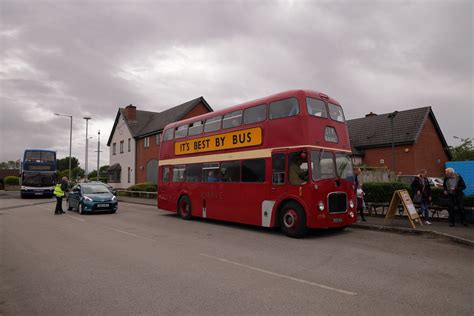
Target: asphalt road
144	261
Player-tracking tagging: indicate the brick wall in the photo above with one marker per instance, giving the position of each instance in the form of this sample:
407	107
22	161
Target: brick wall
144	155
427	154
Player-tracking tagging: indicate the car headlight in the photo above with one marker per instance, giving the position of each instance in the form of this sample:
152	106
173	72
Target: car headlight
114	198
88	199
321	206
351	203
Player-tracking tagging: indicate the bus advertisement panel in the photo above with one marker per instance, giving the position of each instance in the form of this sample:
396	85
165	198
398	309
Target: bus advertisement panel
38	173
280	161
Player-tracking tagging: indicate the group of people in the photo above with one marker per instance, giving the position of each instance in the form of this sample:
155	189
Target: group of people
453	187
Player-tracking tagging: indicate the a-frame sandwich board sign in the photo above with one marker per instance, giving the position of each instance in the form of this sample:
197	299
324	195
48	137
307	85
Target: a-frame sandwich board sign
403	197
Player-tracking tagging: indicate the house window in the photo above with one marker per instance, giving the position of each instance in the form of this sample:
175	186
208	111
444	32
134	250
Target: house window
114	148
158	138
121	146
128	174
129	144
146	142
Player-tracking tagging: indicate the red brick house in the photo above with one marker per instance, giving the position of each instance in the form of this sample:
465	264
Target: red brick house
135	141
419	142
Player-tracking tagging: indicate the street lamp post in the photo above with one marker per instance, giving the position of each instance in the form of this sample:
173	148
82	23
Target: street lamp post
98	153
391	116
87	118
70	140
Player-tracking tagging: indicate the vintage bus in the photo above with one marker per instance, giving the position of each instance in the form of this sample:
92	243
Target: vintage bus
38	173
280	161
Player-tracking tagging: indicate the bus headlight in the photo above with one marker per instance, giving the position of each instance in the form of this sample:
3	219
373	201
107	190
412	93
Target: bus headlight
321	206
351	214
351	203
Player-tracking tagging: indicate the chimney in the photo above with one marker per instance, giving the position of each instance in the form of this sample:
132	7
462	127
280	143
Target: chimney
131	112
370	114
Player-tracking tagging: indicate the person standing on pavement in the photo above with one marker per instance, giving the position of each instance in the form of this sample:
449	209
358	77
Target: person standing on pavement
422	192
454	186
359	193
59	191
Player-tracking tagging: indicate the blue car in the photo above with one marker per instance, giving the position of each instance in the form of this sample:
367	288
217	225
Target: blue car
91	198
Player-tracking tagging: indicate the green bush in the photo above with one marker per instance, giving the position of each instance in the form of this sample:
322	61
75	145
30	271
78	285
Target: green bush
146	187
378	192
469	200
12	180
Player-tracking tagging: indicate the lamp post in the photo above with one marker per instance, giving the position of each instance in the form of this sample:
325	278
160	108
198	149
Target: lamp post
70	140
87	118
391	116
98	153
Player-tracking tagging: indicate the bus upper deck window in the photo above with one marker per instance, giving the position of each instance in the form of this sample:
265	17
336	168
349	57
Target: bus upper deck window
284	108
316	107
255	114
212	124
181	131
195	128
232	119
336	113
169	133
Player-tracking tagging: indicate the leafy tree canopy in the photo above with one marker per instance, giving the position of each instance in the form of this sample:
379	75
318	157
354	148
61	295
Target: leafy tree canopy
465	151
63	164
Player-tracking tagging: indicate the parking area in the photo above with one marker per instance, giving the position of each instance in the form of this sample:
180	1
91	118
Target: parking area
145	261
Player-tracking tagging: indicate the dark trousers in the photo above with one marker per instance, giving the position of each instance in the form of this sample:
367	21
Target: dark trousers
455	203
59	205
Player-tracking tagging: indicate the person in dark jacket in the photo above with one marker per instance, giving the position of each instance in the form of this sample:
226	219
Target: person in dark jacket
421	190
454	186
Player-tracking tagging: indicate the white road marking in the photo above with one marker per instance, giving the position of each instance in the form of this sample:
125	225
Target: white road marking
280	275
123	232
75	217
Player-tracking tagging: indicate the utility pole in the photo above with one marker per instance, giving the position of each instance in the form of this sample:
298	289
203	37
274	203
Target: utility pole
87	118
98	154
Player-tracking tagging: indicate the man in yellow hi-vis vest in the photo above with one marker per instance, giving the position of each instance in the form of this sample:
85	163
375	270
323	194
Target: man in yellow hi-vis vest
59	191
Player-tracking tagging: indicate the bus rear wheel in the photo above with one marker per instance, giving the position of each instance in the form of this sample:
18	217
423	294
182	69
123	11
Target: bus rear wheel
293	220
184	207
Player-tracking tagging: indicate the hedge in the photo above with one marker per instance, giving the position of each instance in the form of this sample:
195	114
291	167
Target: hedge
381	192
376	192
12	180
146	187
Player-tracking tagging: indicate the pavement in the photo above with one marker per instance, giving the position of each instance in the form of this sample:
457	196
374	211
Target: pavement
439	227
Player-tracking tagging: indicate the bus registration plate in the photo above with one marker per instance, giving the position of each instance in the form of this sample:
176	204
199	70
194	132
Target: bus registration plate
102	205
337	220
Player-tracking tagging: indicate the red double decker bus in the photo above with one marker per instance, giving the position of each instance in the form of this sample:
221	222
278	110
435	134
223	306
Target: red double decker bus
280	161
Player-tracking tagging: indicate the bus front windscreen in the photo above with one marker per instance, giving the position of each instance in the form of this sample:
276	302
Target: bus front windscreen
38	179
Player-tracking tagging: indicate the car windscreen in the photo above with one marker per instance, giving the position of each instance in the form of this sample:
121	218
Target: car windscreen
94	189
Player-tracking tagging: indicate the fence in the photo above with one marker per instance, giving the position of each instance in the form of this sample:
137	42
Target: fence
377	175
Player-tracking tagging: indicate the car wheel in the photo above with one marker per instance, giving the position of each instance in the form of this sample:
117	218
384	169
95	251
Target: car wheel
293	220
81	209
184	207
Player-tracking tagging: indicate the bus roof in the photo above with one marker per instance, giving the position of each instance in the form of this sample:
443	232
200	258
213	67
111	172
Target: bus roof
264	100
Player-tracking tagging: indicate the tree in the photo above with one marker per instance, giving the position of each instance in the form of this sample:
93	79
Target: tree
77	173
103	171
63	164
465	151
92	175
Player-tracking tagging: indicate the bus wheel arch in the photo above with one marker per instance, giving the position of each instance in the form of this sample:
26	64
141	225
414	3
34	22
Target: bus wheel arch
291	217
184	207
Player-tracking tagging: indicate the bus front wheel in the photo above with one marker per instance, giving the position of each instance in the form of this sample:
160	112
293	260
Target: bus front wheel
184	207
293	220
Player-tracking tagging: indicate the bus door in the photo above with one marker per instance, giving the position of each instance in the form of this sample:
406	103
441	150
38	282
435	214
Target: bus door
213	205
279	175
164	188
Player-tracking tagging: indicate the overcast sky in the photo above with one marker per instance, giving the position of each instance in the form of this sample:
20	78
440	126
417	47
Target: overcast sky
91	57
